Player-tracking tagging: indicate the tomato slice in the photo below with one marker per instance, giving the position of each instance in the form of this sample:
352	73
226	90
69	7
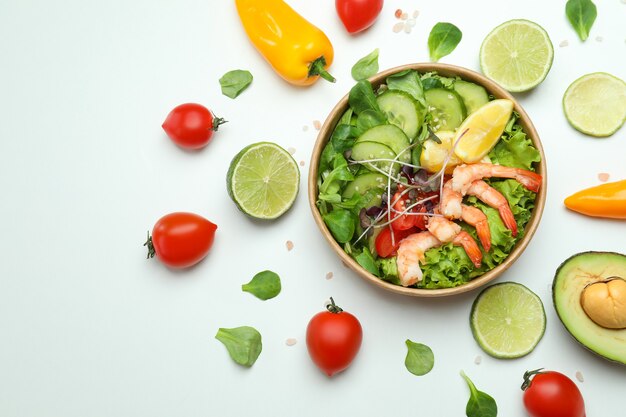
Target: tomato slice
384	247
400	221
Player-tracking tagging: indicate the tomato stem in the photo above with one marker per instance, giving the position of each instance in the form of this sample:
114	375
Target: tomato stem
151	251
527	377
217	121
333	308
317	68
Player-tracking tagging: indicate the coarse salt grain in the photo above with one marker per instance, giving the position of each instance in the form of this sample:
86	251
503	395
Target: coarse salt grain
291	150
291	341
579	376
305	128
317	124
416	13
564	43
301	163
329	275
478	360
289	245
404	16
398	27
408	29
603	176
410	22
398	13
599	38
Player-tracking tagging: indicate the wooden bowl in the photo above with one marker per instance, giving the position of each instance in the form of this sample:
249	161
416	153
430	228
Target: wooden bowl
446	71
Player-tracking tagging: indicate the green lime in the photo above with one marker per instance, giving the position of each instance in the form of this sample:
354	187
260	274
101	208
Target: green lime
517	55
595	104
263	180
507	320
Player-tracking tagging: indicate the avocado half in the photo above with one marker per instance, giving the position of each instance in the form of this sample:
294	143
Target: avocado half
570	280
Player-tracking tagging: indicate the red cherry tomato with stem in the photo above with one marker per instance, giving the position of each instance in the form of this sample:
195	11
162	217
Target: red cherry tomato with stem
191	125
180	239
551	394
333	339
358	15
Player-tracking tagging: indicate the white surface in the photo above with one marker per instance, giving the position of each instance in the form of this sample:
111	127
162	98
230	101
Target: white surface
89	327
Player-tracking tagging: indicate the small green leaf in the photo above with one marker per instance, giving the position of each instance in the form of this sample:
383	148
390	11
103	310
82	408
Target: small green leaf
366	66
581	14
342	224
362	97
366	260
443	39
234	82
479	404
419	358
369	119
243	344
264	285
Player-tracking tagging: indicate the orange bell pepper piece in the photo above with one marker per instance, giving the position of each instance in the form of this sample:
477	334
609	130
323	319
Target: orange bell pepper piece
606	200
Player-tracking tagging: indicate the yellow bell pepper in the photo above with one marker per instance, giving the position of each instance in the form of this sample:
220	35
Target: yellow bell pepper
606	200
298	51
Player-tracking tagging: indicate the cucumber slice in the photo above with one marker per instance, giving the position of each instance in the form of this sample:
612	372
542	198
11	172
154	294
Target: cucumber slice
401	110
449	110
363	151
473	95
364	183
391	136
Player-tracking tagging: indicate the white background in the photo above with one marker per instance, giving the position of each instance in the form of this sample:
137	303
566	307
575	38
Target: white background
89	327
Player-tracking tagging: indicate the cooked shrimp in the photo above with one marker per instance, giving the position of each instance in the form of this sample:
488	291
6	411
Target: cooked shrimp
476	218
470	246
450	205
495	199
464	175
411	253
447	231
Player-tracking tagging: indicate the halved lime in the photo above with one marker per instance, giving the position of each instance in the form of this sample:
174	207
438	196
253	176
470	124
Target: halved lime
507	320
595	104
517	55
263	180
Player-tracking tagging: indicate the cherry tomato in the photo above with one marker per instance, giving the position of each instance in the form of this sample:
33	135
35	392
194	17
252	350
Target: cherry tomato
191	125
180	239
358	15
384	247
551	394
333	339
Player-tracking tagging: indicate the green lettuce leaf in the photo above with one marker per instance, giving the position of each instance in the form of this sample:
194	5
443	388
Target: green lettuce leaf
389	269
514	149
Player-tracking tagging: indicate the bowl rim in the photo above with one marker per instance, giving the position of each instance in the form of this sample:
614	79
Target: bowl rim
446	70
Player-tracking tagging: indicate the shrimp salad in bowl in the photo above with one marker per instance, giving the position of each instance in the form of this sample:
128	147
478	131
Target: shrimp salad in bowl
427	181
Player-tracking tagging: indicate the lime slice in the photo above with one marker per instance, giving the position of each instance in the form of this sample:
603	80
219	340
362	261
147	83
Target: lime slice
507	320
482	130
595	104
263	180
517	55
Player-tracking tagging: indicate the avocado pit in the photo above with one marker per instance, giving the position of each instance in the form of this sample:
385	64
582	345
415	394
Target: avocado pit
604	302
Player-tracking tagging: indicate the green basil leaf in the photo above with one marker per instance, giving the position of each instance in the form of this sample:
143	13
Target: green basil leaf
443	39
264	285
243	344
480	404
234	82
362	97
419	358
342	224
409	82
369	119
581	14
342	138
366	260
366	66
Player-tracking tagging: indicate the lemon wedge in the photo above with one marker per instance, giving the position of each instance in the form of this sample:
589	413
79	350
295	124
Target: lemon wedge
434	154
482	130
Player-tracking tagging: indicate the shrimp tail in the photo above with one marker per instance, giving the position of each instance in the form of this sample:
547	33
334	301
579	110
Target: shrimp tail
508	219
470	246
530	180
484	234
